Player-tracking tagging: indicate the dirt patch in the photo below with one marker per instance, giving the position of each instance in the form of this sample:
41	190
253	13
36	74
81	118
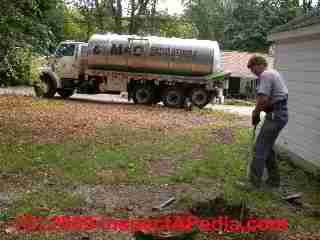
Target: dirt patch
225	135
32	120
163	167
220	207
139	200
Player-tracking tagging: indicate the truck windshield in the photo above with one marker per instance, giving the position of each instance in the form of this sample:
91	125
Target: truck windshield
65	50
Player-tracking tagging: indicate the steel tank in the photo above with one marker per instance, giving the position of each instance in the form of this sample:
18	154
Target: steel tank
176	56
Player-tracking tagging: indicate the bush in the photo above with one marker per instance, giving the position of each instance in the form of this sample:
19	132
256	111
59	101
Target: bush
15	67
36	62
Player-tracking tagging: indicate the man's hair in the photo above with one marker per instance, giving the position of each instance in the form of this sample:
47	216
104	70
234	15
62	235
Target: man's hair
257	60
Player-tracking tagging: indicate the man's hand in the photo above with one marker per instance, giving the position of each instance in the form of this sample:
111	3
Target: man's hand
255	117
263	104
268	108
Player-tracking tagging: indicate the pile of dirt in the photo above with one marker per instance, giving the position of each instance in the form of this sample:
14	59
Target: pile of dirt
220	207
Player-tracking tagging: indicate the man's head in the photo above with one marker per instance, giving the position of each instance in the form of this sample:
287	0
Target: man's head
257	64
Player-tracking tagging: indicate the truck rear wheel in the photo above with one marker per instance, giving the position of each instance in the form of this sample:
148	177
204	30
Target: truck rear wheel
143	94
65	93
173	97
200	97
45	88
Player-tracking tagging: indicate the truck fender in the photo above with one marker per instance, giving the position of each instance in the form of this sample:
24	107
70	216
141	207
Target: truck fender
54	77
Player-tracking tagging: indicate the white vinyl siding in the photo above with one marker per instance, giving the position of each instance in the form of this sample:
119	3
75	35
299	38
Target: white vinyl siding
299	63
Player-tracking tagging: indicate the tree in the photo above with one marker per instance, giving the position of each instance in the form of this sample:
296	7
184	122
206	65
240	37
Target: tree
92	15
142	16
250	22
117	12
245	26
34	23
74	25
207	17
131	16
173	26
241	24
27	26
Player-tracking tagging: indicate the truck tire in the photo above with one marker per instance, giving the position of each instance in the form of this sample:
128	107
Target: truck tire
143	94
65	93
45	88
173	97
157	96
200	97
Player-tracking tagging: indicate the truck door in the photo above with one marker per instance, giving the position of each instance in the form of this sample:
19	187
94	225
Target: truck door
65	64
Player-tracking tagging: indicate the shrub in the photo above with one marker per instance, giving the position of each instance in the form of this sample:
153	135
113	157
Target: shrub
15	67
36	62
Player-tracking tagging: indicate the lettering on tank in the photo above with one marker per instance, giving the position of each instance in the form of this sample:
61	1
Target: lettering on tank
119	49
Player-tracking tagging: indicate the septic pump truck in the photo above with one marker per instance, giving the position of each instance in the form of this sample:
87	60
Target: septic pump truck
149	69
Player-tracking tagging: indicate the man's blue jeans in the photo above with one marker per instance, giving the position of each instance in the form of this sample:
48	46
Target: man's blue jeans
264	154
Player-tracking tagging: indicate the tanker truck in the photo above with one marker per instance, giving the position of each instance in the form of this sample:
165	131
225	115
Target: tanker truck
150	69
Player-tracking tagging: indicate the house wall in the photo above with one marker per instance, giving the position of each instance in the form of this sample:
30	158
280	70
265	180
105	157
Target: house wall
248	82
299	62
238	87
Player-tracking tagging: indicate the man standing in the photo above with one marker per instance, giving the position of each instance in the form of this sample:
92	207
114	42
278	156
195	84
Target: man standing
272	97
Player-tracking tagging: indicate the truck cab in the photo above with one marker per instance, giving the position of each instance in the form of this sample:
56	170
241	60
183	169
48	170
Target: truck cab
64	69
67	59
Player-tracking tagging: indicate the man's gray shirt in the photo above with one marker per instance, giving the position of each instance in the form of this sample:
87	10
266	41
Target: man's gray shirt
271	84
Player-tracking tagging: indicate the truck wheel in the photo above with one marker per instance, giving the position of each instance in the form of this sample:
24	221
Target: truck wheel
173	97
45	88
200	97
157	96
65	93
143	94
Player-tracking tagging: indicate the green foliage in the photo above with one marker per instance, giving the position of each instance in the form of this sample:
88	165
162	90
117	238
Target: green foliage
250	21
15	68
74	27
208	18
175	26
36	63
31	23
26	27
86	17
241	24
133	17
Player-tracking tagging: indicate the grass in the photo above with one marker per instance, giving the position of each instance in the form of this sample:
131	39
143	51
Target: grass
46	202
223	162
43	175
239	102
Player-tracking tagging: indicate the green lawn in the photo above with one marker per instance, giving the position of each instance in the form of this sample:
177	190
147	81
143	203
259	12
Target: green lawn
240	102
